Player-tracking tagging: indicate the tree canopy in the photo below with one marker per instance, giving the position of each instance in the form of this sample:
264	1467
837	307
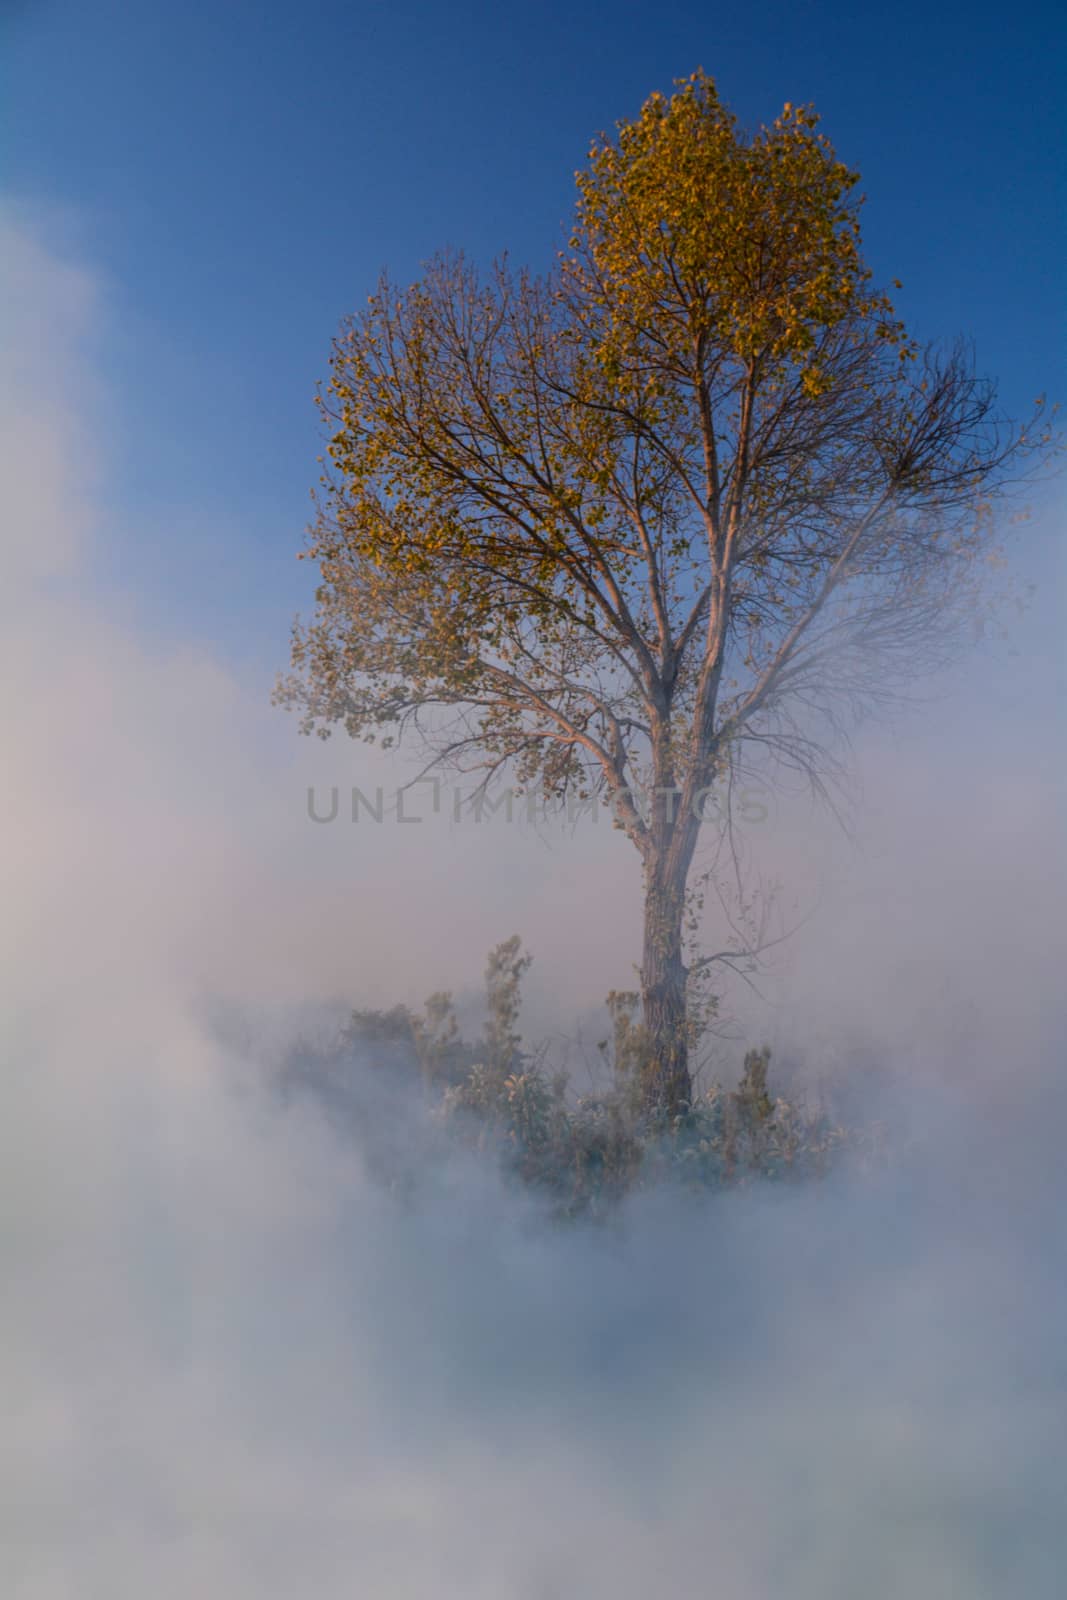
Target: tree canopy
691	498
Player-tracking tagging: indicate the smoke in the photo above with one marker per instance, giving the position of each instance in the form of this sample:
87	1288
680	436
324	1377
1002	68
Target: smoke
233	1365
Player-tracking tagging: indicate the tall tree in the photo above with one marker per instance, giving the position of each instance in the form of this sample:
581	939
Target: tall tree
694	493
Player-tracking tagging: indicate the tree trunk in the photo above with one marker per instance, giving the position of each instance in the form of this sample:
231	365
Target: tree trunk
666	1084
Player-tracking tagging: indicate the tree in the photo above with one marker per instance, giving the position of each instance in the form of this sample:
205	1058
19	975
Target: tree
693	498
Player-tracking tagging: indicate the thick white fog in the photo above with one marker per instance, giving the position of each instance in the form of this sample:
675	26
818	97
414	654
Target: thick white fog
233	1367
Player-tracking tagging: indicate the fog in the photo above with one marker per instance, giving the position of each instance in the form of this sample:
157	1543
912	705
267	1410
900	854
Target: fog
234	1366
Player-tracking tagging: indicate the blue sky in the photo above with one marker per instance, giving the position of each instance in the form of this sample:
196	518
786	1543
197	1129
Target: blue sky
237	174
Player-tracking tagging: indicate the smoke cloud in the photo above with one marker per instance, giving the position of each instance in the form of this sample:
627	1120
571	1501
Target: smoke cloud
233	1365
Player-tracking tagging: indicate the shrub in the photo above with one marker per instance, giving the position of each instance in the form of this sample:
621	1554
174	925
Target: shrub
583	1155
